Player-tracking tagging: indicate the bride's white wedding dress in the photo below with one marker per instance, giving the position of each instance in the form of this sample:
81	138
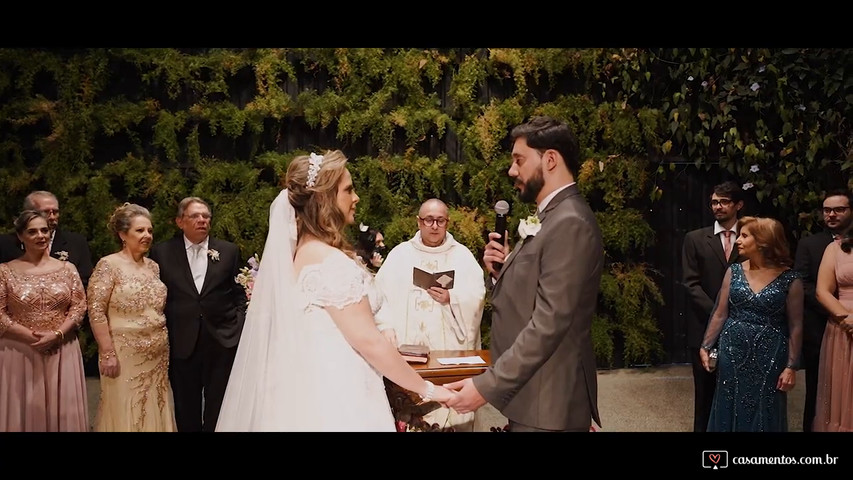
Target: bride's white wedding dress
350	393
294	370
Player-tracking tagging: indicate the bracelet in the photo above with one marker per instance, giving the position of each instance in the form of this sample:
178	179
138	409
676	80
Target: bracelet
427	397
59	335
707	348
106	355
791	366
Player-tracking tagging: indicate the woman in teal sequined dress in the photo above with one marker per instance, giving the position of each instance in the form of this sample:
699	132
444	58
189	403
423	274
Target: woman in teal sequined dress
757	327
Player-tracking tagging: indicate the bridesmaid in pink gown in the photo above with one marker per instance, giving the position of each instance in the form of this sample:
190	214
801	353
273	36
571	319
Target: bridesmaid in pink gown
834	409
42	302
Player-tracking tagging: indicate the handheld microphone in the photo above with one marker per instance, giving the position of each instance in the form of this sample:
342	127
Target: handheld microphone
501	209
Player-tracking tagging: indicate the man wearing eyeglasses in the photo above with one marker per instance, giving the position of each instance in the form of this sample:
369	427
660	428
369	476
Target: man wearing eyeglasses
706	255
440	318
205	310
836	219
65	245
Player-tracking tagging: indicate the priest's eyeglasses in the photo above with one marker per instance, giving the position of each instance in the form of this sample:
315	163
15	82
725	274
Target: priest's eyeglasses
429	221
837	210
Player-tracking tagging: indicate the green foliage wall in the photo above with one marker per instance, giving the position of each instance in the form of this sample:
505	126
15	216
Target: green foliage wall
99	127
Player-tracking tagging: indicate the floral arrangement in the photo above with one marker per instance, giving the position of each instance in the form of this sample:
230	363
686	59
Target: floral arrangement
247	275
529	226
213	254
63	255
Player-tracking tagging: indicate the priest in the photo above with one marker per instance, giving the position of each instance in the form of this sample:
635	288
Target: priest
431	315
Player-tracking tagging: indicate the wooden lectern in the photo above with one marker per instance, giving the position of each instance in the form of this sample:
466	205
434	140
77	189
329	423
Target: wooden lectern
408	411
440	374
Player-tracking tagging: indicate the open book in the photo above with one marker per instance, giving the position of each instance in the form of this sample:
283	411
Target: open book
427	280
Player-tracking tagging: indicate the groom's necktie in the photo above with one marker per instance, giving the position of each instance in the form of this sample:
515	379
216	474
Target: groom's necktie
198	265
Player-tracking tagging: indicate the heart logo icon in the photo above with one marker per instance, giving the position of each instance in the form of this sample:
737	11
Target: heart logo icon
715	457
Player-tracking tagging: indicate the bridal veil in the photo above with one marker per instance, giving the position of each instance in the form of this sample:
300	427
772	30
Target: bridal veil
262	392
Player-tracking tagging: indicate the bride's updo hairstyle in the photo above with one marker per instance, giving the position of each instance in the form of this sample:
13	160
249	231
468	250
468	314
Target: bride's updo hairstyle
312	187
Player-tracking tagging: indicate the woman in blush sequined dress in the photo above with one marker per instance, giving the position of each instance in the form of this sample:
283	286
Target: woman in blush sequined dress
42	302
757	325
126	300
834	402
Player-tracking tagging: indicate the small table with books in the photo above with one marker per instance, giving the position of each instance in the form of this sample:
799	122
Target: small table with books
405	404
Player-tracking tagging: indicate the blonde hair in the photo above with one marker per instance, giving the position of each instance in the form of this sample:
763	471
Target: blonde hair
770	239
316	207
122	217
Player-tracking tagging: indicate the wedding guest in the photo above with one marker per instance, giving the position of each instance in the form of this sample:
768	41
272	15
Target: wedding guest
42	303
63	244
706	255
837	218
439	318
205	310
370	247
757	328
126	299
310	333
834	403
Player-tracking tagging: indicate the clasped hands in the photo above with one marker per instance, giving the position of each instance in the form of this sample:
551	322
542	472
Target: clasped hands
461	396
46	342
844	321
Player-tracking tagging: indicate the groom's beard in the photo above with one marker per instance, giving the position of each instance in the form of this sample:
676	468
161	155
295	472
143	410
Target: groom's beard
532	187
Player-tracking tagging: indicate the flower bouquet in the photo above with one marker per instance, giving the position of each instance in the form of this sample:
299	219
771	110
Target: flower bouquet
247	275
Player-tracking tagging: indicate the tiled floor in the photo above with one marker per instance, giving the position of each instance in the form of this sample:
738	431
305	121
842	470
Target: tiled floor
652	399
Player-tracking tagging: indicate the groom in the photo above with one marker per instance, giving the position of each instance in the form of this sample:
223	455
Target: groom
544	296
205	309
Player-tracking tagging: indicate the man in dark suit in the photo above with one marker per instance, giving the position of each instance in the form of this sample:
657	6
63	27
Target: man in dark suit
205	309
64	245
543	376
706	255
837	217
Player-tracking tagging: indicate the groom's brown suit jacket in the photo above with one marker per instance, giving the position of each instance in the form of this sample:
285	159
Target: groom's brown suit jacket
544	371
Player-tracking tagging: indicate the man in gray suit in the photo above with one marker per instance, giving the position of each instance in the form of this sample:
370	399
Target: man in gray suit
544	296
705	260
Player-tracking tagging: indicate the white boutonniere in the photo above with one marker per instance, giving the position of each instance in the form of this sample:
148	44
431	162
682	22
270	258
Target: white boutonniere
63	255
529	226
213	254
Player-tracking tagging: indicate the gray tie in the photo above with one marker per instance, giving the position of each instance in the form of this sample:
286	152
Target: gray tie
198	266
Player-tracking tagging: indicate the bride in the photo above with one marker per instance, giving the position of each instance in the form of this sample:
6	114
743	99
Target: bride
310	356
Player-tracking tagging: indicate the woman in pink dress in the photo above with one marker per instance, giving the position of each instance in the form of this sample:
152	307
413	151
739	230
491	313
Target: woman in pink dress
834	409
42	302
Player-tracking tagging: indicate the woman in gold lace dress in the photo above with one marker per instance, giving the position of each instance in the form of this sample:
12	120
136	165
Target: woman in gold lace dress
126	300
42	302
